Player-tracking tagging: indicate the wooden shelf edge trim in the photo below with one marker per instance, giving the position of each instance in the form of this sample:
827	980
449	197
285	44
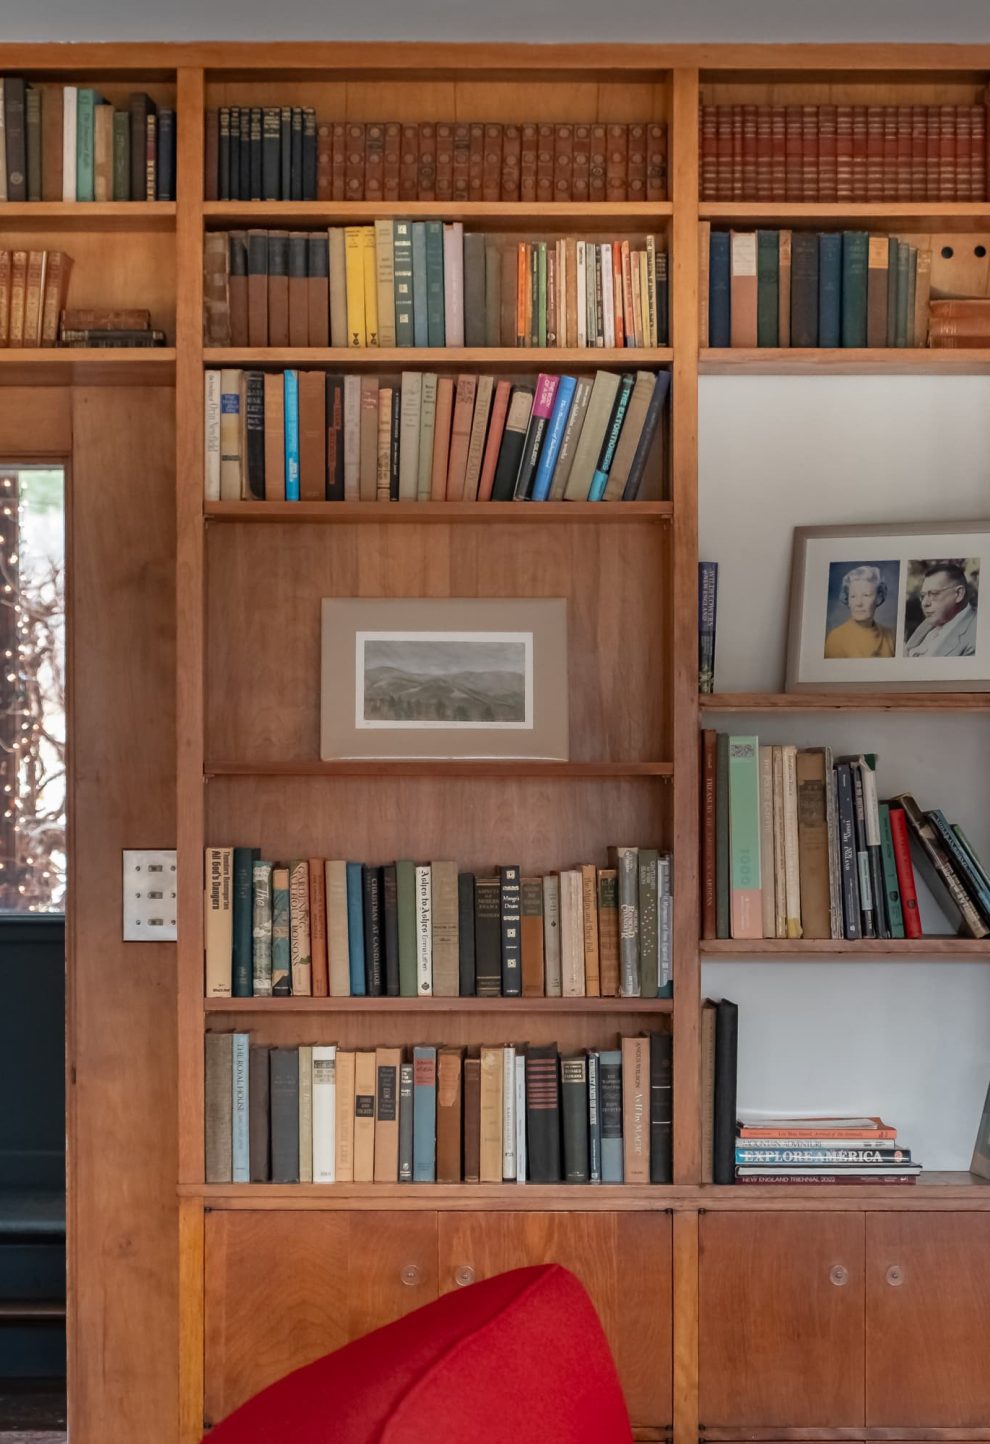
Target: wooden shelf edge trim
589	213
607	1007
379	512
523	358
375	767
841	361
741	949
845	701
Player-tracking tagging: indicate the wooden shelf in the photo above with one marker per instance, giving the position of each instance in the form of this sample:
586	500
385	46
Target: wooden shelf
811	949
503	215
841	361
90	215
442	767
340	1006
88	366
337	513
881	215
845	701
446	358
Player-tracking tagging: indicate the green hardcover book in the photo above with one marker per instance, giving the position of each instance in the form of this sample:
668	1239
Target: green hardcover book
402	271
649	931
745	881
895	913
767	288
903	289
242	965
541	292
722	835
434	284
86	102
405	884
855	258
895	246
121	155
910	339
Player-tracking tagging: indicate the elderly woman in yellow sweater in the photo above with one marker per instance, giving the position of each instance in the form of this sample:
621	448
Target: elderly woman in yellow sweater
863	592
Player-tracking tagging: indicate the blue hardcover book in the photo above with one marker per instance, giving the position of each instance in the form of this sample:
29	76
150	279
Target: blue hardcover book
600	479
86	102
610	1113
292	435
424	1115
644	446
240	1118
829	289
243	921
719	279
420	330
554	436
436	334
355	927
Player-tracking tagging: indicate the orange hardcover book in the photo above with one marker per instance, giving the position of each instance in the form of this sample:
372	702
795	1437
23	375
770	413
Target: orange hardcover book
450	1067
589	890
522	293
18	291
496	428
318	927
460	436
5	265
441	437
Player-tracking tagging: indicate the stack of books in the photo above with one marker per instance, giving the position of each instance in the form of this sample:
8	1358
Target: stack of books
33	286
402	283
66	143
843	152
283	153
828	289
420	436
108	328
839	865
317	928
961	325
320	1113
804	1150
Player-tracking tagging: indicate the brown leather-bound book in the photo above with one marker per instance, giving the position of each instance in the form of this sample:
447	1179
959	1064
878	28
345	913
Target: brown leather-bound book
491	163
324	161
580	162
409	163
749	161
56	284
608	932
318	288
460	437
531	937
368	425
338	160
636	162
764	153
52	143
374	161
365	1090
450	1067
844	152
354	156
742	296
778	152
427	161
736	126
318	926
34	297
388	1061
100	318
238	284
392	160
471	1088
589	899
444	183
709	744
216	295
511	162
816	915
597	163
876	293
528	159
18	292
656	161
476	161
257	288
312	436
874	153
616	162
441	437
298	289
636	1110
278	288
5	268
544	163
461	161
274	437
809	152
563	162
827	152
964	144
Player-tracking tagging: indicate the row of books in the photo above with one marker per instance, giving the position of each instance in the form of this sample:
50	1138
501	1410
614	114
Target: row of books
962	324
820	1150
505	1114
843	152
318	928
317	436
426	283
795	845
282	153
33	287
66	143
802	288
108	327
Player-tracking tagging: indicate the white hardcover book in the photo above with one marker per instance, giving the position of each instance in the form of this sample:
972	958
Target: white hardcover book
305	1113
792	875
211	475
508	1114
352	438
70	95
582	295
338	294
453	283
520	1086
551	935
324	1112
766	841
572	933
608	305
409	427
779	886
424	932
427	426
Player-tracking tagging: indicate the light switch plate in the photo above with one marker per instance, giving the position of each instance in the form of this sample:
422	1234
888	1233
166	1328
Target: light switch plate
149	896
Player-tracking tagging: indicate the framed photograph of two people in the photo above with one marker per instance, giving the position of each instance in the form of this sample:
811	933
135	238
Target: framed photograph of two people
875	607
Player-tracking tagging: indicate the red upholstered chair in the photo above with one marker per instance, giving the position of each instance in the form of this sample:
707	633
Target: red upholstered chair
518	1359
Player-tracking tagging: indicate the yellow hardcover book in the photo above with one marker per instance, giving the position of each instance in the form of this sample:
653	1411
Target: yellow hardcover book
491	1115
385	281
365	1085
219	921
344	1120
338	936
387	1064
354	273
370	285
589	901
572	933
651	288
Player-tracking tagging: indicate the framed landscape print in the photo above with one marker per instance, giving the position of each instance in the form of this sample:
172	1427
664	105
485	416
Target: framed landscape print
445	677
877	607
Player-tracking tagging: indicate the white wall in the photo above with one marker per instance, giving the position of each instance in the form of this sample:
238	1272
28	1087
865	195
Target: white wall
909	1040
964	21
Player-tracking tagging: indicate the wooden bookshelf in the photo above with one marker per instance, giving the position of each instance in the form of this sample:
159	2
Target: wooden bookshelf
843	361
447	513
845	702
88	366
487	215
443	358
948	949
430	1006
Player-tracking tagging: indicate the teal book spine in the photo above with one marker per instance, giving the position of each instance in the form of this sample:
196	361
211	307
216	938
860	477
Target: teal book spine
435	324
855	259
895	913
746	897
424	1115
243	922
402	283
600	479
85	129
355	927
240	1116
829	289
767	288
291	409
421	335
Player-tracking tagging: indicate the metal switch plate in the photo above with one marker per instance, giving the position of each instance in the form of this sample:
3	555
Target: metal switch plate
149	896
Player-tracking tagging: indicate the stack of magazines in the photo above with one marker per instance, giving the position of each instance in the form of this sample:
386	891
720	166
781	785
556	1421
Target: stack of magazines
821	1150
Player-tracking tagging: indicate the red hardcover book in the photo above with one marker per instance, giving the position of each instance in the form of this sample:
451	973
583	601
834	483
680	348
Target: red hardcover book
809	153
581	163
656	161
903	153
338	161
635	170
749	152
616	162
828	160
905	873
597	165
947	153
964	158
889	192
736	116
409	163
843	152
708	120
764	153
723	169
778	152
709	740
933	133
476	161
919	151
393	161
511	162
860	149
496	427
794	154
978	153
444	161
544	164
874	153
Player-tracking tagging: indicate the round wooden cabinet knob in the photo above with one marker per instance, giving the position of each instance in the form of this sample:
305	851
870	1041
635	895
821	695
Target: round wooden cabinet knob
895	1276
463	1275
411	1275
838	1274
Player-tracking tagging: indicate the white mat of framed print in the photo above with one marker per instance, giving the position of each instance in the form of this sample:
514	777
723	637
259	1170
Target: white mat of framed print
444	677
898	607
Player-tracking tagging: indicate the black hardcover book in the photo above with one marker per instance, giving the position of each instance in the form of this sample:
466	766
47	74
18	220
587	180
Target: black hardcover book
405	1122
270	153
509	454
285	153
255	163
661	1108
245	153
804	289
140	106
235	153
724	1133
866	909
335	438
511	904
644	445
15	128
284	1105
465	934
847	851
223	155
374	972
542	1114
259	1113
488	937
390	929
309	154
594	1118
295	155
393	455
166	155
530	458
254	433
574	1108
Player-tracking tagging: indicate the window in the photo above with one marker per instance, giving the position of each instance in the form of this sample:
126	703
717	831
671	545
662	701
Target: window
32	695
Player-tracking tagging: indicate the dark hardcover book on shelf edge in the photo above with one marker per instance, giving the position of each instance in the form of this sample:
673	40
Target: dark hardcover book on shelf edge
243	903
543	1114
726	1048
574	1110
371	888
259	1112
467	983
284	1107
488	937
661	1108
390	929
511	915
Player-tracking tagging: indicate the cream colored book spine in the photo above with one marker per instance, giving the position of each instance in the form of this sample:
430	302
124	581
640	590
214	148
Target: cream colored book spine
324	1112
344	1139
338	936
491	1115
792	876
779	884
571	934
385	273
219	921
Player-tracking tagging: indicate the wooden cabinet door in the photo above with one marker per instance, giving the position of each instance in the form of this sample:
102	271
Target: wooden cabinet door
283	1288
927	1320
781	1320
623	1260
